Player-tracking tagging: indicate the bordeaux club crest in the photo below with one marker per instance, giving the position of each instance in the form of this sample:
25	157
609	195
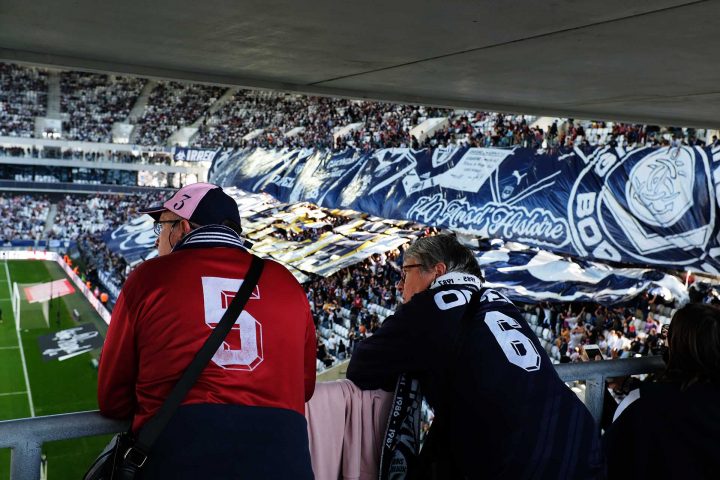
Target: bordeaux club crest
655	207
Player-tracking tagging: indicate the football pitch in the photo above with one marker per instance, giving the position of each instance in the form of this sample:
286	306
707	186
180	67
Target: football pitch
30	386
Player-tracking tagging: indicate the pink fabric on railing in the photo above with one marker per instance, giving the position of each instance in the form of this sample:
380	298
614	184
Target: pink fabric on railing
346	427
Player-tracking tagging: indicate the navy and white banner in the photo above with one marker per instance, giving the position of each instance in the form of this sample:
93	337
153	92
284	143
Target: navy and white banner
522	273
134	241
648	206
527	275
182	154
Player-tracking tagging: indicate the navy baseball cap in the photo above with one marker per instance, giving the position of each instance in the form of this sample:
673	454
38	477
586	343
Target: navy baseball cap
199	203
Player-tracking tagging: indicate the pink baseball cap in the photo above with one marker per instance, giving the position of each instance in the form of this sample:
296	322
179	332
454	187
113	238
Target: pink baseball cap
200	203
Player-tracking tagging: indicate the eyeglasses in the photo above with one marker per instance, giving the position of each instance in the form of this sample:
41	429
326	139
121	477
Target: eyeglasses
405	268
158	225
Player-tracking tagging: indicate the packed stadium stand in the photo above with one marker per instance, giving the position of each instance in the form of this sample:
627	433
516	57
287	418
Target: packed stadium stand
173	105
91	104
23	97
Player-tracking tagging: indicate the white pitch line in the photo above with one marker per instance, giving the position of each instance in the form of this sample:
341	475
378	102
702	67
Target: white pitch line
22	353
9	348
12	393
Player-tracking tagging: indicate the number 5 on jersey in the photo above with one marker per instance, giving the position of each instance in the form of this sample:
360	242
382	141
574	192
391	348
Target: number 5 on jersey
243	347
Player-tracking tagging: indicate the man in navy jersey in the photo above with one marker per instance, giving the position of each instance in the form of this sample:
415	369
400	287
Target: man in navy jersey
501	411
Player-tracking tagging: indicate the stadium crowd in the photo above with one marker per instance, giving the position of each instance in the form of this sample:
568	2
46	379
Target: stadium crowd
249	118
93	102
90	218
350	298
619	332
23	96
277	120
22	217
144	157
173	105
79	219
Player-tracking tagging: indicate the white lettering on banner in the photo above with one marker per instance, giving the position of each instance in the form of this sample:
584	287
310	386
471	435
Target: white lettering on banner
518	349
605	163
585	204
195	155
589	231
243	347
538	225
281	181
341	162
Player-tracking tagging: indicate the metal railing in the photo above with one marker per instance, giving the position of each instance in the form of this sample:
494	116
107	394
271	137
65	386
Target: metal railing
26	436
595	374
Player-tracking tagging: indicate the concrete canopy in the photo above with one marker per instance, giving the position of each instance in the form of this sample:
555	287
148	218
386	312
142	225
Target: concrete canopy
638	61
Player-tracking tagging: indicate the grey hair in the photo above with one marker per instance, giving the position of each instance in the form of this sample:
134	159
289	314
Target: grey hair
444	249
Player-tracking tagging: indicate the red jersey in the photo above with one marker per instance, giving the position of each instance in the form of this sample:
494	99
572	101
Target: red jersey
166	311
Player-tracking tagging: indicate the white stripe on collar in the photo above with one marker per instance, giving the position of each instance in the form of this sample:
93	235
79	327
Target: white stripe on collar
211	236
456	278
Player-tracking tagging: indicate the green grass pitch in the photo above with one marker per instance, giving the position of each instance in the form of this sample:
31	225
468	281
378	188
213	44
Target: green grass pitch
55	387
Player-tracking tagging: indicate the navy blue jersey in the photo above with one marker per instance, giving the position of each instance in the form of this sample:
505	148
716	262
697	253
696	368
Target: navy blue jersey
506	413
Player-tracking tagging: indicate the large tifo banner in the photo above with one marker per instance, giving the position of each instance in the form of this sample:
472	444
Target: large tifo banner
649	206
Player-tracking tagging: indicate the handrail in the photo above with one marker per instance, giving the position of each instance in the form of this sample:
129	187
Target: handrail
25	436
595	374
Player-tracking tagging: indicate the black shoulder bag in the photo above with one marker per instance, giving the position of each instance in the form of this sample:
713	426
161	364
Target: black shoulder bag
125	454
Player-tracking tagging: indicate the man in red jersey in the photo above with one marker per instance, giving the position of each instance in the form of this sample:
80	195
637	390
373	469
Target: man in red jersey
244	418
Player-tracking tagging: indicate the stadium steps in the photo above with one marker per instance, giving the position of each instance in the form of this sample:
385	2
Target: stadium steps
428	127
50	220
139	108
545	123
219	103
141	102
53	98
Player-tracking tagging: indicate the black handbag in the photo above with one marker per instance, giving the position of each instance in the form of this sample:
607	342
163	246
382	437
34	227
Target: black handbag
126	454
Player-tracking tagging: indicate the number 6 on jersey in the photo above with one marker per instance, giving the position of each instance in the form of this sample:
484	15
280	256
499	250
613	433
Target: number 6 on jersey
518	348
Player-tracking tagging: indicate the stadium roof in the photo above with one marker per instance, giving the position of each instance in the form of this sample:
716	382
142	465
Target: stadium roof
648	61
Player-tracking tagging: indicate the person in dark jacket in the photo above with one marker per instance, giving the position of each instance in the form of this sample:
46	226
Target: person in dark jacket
671	428
501	411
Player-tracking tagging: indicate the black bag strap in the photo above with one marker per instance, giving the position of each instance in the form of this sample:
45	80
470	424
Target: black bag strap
150	432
